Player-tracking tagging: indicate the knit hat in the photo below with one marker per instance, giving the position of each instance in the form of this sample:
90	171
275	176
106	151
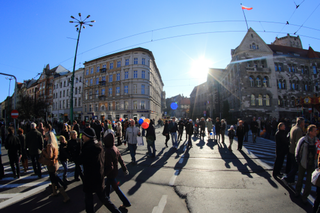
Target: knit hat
231	126
89	132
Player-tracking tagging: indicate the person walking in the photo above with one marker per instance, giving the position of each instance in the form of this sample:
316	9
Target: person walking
231	134
189	132
305	154
173	132
34	142
202	125
76	127
209	127
282	148
51	153
119	132
151	138
223	129
254	129
240	134
92	158
165	132
292	166
131	138
63	156
1	165
65	132
112	158
218	127
14	152
246	130
316	203
74	149
24	157
180	129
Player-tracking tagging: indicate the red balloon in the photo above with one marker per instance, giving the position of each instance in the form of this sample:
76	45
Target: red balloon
145	125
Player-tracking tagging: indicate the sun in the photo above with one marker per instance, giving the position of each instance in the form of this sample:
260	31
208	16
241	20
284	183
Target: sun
199	68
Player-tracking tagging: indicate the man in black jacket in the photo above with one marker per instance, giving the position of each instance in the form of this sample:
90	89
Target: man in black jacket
189	131
180	131
76	128
254	129
173	131
92	158
14	151
34	142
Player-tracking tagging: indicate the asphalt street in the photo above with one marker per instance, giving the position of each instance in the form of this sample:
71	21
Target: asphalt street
205	178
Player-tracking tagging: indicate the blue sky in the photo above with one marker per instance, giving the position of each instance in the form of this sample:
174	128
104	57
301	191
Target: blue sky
35	33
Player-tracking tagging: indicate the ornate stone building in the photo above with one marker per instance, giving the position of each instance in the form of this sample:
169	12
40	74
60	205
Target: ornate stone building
126	84
266	80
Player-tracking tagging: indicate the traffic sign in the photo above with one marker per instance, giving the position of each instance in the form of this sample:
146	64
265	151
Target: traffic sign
14	114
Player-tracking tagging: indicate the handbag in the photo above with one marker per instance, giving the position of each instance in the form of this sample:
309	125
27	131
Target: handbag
140	141
45	161
315	180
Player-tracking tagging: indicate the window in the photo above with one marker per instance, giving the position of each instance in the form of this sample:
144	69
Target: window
135	61
126	89
143	61
97	93
275	67
305	87
117	91
265	82
253	100
135	74
293	86
86	83
314	68
258	82
110	91
64	84
126	105
80	79
98	69
110	78
85	108
267	100
142	89
118	76
135	105
104	78
253	46
111	65
143	74
96	107
103	92
76	90
67	92
79	90
79	102
63	104
91	72
251	81
260	100
279	101
316	87
86	95
127	62
64	92
90	95
279	84
117	105
102	108
283	84
87	72
126	75
90	108
143	105
279	67
97	81
134	89
60	104
118	64
91	82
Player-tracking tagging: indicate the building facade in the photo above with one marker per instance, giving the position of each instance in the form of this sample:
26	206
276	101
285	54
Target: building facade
267	80
62	95
199	102
126	84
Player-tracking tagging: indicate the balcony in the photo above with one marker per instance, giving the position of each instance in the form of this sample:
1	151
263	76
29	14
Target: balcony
103	70
102	97
102	83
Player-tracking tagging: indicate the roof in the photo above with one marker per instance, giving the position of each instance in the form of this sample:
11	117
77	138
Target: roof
185	101
310	53
199	88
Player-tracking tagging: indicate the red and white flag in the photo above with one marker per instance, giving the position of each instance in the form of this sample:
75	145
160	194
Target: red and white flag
246	8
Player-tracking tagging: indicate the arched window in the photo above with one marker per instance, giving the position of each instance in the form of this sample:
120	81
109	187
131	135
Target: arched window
293	85
102	107
279	84
267	100
253	100
251	81
265	81
258	81
260	100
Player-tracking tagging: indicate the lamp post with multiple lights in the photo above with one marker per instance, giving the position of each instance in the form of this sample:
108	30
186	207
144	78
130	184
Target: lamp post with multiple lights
79	24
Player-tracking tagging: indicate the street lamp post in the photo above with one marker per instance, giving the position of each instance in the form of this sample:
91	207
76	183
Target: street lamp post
81	23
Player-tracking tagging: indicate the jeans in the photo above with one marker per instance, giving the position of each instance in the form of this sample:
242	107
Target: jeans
153	148
14	160
174	139
254	136
54	178
88	196
112	182
65	167
132	148
294	168
36	165
189	140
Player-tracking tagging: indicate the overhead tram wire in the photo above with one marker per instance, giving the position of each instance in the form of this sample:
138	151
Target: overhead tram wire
308	18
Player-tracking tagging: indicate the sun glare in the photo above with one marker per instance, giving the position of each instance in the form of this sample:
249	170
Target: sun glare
199	69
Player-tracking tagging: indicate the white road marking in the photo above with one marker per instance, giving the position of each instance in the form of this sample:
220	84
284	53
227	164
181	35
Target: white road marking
161	205
6	196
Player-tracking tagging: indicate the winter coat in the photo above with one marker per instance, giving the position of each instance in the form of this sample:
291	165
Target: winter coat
151	133
92	158
23	145
223	127
189	128
202	124
65	134
13	145
119	131
295	135
165	129
131	134
63	152
209	126
282	142
51	153
305	152
34	142
240	132
231	133
112	158
74	149
181	125
173	127
218	127
76	128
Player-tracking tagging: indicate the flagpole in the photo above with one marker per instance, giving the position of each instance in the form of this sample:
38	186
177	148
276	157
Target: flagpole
244	17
